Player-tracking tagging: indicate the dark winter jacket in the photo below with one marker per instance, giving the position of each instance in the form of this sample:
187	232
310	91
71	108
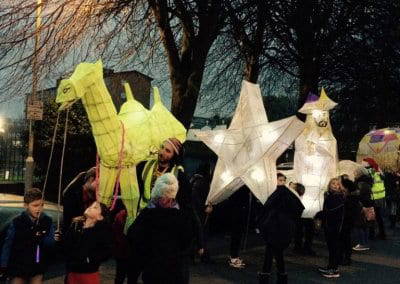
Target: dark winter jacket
279	216
121	246
160	240
87	248
352	211
333	211
184	199
26	246
73	201
392	186
200	189
364	185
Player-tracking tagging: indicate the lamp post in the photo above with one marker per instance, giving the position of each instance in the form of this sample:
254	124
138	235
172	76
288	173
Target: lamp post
29	168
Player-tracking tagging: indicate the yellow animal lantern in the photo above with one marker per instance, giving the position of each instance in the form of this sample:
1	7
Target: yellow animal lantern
163	124
315	158
122	140
383	145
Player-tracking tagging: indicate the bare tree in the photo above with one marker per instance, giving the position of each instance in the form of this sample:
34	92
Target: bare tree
117	31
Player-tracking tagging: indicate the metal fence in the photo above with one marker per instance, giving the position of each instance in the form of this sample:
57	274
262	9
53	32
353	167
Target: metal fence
12	152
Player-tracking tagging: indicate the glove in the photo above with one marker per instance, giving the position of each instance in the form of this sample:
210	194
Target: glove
57	236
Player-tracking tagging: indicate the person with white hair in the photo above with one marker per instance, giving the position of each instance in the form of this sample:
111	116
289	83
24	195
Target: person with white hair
161	236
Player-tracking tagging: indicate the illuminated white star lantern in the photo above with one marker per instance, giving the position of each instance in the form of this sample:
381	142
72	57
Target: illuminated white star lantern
248	149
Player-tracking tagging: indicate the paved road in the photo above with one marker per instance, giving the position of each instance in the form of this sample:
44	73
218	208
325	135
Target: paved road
379	265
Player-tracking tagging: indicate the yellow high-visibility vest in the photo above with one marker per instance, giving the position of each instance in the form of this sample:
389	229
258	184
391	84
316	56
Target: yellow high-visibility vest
378	188
147	176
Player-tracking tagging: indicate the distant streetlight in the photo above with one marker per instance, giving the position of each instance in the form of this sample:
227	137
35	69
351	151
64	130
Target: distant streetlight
2	129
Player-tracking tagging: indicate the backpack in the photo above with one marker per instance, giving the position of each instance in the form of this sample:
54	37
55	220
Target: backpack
368	213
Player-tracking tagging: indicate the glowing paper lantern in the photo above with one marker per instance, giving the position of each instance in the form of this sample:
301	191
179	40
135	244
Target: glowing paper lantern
163	124
248	149
134	130
383	145
315	158
136	119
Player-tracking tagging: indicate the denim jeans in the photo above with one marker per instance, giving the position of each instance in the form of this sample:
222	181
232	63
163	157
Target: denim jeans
361	234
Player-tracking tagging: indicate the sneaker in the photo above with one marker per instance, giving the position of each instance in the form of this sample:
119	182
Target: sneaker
323	269
331	273
236	262
360	248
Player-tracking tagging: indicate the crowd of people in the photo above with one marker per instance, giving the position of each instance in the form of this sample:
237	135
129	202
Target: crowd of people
171	226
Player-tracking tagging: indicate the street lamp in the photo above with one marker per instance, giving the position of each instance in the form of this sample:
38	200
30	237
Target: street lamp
29	160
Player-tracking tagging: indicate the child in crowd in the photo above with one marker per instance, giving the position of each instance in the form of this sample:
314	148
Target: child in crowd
28	238
87	244
281	210
304	233
332	217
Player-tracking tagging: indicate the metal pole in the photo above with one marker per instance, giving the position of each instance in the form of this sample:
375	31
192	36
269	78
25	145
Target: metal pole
29	163
248	222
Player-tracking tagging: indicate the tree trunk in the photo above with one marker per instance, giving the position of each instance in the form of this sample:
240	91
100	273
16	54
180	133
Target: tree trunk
186	61
185	92
308	57
308	80
252	69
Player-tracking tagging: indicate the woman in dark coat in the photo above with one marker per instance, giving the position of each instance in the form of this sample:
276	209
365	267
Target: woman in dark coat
161	236
332	217
277	225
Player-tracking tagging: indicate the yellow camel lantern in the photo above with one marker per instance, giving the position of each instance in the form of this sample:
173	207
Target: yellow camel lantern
122	140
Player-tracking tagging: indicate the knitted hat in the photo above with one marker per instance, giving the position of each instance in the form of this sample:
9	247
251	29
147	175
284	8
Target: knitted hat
166	186
176	144
371	162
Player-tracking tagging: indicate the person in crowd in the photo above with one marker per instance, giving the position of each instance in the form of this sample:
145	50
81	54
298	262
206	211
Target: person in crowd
332	217
161	236
278	221
25	252
299	188
170	160
121	247
238	205
392	186
378	195
352	212
87	244
304	229
200	183
78	195
363	182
